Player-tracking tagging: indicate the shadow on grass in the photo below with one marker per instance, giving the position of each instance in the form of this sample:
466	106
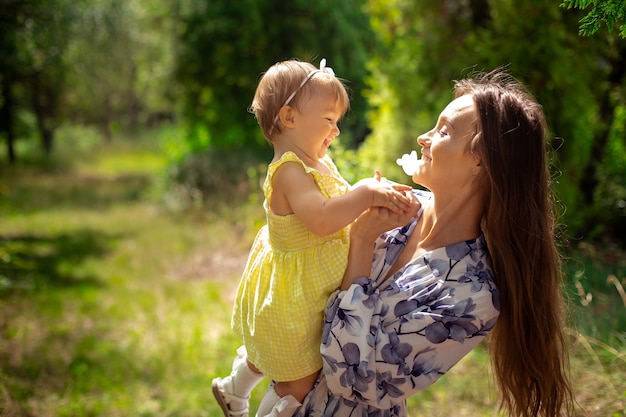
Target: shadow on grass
41	355
34	262
52	191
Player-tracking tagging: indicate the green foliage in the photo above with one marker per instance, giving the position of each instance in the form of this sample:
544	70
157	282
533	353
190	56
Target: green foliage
202	176
348	162
597	274
609	12
611	192
213	177
225	46
104	62
35	36
121	63
408	84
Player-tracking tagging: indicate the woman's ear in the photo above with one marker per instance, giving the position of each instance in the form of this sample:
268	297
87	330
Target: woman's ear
286	116
474	151
478	165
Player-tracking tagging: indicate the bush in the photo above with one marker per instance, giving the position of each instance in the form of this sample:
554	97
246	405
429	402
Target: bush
215	177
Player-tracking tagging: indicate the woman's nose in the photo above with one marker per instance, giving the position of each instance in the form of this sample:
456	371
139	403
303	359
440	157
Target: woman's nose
423	139
336	130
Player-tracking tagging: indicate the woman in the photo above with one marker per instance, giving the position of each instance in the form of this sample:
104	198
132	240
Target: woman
417	299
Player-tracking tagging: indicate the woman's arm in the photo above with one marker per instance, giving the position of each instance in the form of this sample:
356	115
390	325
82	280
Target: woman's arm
365	230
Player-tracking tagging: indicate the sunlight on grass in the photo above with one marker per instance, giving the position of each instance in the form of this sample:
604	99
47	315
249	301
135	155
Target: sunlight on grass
146	163
453	395
601	370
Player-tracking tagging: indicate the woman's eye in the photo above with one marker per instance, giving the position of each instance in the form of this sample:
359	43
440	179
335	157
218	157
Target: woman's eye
443	132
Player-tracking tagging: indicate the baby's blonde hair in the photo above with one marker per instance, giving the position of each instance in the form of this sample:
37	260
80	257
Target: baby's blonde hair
283	79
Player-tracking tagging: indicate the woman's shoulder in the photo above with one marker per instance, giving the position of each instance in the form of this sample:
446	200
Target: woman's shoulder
461	260
455	265
465	266
471	250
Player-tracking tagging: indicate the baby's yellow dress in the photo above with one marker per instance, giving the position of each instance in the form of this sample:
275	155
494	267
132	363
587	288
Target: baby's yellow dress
290	273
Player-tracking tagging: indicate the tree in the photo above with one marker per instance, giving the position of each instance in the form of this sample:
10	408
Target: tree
13	14
45	43
104	62
611	12
121	56
34	39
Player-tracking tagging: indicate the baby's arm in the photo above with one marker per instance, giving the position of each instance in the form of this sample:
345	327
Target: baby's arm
324	216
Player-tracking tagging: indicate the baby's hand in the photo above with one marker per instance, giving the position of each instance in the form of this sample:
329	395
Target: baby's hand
393	197
377	220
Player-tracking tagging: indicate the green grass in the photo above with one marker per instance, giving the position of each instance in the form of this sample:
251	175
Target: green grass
112	305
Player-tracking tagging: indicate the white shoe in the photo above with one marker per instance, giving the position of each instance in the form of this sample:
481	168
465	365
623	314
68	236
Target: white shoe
285	407
231	404
280	406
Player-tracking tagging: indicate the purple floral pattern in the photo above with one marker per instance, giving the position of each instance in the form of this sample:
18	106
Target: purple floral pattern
384	340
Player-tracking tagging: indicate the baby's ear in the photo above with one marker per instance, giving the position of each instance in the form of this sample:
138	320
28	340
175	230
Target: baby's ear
286	116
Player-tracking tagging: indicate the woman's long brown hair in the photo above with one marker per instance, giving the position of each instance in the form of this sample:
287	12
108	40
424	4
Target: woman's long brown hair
528	348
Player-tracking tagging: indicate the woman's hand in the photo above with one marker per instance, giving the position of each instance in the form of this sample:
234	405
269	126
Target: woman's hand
364	231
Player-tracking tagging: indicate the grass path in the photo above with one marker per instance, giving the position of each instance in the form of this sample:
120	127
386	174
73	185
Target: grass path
112	306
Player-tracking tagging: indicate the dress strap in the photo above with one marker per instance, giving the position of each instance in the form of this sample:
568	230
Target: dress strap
289	156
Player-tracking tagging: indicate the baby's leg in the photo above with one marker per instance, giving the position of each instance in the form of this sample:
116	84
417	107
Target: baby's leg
283	398
298	388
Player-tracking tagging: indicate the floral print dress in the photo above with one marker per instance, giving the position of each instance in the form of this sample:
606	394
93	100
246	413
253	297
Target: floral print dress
384	340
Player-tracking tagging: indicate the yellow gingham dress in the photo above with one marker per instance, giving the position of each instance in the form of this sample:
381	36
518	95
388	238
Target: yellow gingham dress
290	273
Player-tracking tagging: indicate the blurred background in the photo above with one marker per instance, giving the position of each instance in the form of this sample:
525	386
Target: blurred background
130	174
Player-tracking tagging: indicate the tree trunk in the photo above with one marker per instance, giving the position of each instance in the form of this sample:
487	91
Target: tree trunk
7	115
105	119
480	13
133	100
43	112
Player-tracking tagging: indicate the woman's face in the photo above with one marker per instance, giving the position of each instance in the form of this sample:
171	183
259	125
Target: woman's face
446	162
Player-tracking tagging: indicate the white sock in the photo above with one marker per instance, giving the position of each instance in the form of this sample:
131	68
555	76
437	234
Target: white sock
242	380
